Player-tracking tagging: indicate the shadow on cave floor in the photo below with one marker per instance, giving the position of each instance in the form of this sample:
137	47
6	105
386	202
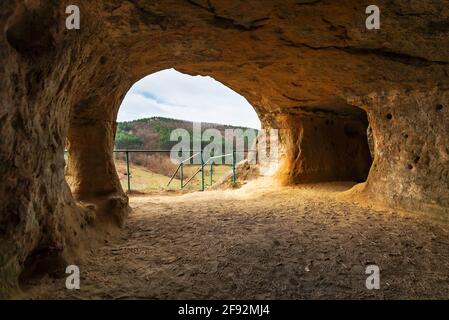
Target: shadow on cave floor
256	243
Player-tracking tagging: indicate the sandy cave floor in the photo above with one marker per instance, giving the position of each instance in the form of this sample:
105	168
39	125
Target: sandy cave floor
262	243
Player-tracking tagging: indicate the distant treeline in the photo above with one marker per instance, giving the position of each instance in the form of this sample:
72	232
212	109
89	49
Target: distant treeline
154	133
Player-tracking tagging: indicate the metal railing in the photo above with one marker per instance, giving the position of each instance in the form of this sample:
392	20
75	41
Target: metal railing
211	160
127	153
180	168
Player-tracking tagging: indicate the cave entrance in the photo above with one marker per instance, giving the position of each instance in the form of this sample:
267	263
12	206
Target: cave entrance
180	132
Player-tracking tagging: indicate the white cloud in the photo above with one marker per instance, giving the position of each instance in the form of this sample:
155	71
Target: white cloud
172	94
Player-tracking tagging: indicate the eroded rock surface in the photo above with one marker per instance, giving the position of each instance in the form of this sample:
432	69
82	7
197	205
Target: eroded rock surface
293	60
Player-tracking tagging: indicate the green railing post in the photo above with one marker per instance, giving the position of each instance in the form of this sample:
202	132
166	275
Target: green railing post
211	170
182	175
127	171
202	171
233	167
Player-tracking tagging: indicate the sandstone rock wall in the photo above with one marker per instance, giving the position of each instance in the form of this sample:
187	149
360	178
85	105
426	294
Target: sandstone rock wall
411	164
288	58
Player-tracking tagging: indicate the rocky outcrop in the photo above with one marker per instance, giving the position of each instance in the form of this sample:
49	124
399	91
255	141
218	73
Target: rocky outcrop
305	66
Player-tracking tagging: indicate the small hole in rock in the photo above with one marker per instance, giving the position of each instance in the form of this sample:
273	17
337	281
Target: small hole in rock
417	158
439	107
389	116
410	167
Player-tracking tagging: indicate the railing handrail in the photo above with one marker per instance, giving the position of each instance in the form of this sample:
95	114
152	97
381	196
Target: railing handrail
190	157
179	166
193	176
220	156
174	174
203	164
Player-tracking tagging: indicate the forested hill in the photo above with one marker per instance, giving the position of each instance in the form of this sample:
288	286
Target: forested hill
154	133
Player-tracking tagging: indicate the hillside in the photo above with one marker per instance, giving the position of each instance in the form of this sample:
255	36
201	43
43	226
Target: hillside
154	133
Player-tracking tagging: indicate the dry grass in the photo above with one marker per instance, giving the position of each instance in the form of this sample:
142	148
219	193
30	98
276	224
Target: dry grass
144	179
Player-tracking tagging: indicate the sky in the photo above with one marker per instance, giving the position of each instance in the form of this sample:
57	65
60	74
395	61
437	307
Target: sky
172	94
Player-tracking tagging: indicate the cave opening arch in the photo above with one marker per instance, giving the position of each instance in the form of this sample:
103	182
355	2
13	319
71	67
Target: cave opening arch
316	144
168	111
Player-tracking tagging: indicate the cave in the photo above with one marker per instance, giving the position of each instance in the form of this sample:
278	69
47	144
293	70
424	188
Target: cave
309	68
